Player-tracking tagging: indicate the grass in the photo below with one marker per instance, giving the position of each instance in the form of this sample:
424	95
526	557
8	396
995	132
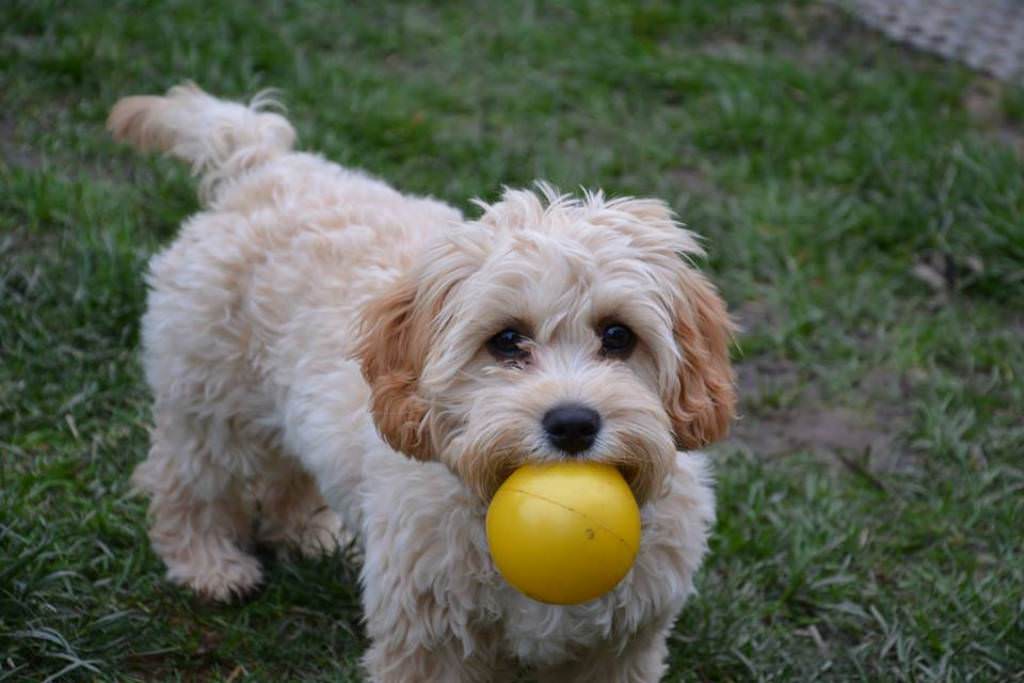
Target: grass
864	222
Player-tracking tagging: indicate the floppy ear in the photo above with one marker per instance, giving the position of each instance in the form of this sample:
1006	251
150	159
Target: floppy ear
392	350
704	400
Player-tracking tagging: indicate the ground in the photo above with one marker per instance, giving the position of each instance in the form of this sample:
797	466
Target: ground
862	207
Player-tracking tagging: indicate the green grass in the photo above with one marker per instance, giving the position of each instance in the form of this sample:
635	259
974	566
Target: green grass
833	174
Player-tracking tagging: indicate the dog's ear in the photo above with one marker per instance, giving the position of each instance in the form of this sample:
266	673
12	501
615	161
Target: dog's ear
392	350
702	400
703	403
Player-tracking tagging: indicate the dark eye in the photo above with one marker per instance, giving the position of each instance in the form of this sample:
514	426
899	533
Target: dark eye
617	340
507	345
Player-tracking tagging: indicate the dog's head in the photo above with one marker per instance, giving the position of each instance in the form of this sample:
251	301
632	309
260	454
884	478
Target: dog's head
552	329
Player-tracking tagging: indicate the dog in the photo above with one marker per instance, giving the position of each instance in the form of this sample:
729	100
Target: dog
339	357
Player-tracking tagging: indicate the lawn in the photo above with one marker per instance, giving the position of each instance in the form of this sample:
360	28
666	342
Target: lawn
863	207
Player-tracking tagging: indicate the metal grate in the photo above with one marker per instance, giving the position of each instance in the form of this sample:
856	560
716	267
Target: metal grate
987	35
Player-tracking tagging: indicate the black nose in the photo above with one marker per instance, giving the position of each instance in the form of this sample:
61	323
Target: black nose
571	427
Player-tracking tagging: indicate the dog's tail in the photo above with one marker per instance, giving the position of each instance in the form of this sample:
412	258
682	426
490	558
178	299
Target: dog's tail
220	139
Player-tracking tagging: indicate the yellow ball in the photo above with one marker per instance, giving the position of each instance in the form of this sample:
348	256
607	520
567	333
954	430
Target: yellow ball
564	533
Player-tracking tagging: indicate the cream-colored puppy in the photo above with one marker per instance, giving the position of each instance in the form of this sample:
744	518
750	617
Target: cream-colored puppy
314	335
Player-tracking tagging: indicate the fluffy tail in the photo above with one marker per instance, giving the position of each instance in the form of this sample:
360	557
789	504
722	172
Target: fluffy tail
220	139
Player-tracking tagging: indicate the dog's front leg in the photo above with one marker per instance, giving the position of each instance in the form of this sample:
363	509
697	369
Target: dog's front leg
417	638
428	614
642	660
394	659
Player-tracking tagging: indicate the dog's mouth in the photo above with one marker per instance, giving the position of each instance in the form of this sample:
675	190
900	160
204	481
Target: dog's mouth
484	470
636	476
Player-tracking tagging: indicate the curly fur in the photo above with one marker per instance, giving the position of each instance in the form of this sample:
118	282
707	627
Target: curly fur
316	346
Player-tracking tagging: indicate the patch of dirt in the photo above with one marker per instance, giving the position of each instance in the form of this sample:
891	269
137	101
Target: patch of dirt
758	377
983	102
753	315
14	153
835	433
782	412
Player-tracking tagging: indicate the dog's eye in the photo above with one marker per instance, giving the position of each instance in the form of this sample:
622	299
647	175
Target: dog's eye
617	340
507	345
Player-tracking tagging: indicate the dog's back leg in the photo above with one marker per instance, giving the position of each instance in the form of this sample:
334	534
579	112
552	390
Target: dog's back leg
212	432
201	521
293	514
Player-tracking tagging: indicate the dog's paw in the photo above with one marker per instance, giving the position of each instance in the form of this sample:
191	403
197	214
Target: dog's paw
315	534
229	579
322	535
